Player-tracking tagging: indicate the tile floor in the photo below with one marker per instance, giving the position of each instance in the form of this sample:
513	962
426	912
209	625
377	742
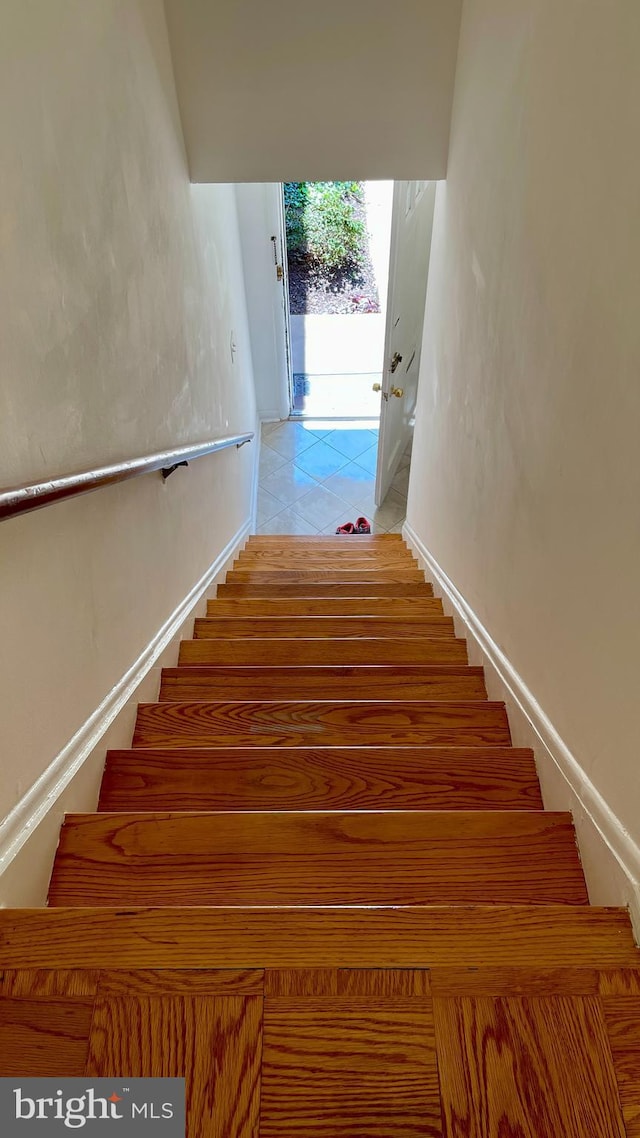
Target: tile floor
315	475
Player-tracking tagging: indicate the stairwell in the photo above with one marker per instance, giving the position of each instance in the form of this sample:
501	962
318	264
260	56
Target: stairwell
322	886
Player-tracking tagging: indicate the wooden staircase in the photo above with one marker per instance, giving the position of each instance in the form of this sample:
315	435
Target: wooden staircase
321	885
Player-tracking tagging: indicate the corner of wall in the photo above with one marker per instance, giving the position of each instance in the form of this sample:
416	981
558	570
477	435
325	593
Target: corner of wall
610	857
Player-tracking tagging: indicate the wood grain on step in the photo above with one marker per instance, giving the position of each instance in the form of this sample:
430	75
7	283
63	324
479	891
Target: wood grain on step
326	541
280	778
347	573
372	650
379	551
332	590
389	681
622	1018
327	723
341	1066
535	1068
215	1043
308	559
323	627
527	936
387	607
317	858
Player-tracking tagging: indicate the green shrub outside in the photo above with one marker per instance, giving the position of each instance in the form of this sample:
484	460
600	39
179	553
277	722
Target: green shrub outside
321	225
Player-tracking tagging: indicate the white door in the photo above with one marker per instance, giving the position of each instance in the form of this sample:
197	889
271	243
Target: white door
411	226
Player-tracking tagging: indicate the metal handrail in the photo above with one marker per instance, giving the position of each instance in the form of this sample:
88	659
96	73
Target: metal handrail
21	499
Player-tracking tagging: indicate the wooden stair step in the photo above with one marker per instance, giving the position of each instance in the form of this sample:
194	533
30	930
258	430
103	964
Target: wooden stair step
380	589
325	627
314	858
348	574
360	650
331	541
312	561
327	723
338	778
365	682
387	607
526	936
335	549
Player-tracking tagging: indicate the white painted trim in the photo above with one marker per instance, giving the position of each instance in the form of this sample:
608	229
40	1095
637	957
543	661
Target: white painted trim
29	813
607	848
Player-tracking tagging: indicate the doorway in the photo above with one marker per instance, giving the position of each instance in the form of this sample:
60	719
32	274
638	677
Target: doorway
337	244
339	458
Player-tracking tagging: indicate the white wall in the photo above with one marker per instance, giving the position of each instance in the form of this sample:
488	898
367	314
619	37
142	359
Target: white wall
260	216
294	91
525	483
121	287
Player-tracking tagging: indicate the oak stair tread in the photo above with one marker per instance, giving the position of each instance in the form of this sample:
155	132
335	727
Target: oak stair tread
337	778
325	627
319	651
313	589
330	722
388	607
317	857
348	573
419	681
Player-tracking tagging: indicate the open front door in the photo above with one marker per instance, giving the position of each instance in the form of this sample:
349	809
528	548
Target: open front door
411	226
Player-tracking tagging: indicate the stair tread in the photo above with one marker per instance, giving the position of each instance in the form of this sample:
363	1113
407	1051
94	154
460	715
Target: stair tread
344	627
344	574
419	681
246	778
318	651
317	857
329	722
325	606
532	936
327	589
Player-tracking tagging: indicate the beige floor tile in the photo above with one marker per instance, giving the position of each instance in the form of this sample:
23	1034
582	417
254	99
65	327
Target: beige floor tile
289	483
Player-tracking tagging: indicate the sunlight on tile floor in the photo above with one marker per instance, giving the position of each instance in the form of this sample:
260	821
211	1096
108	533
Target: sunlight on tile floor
315	475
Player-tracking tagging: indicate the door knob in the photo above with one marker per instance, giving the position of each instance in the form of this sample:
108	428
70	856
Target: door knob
377	387
397	391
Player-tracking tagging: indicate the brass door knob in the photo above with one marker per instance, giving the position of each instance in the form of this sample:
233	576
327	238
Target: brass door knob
377	387
397	391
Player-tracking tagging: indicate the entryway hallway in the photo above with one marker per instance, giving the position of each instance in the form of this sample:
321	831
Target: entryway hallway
315	475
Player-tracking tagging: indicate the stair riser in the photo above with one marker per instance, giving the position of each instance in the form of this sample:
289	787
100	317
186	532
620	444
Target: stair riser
388	608
345	574
525	936
322	589
445	650
321	683
344	627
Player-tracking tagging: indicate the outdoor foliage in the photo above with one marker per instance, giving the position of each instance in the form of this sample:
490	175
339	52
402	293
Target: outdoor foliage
322	228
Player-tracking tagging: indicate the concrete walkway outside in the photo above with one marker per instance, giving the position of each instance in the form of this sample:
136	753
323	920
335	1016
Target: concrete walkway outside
340	357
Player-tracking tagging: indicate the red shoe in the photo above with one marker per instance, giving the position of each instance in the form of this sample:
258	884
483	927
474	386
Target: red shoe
362	526
348	527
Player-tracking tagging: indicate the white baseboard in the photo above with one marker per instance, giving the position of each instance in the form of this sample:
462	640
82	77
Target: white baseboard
29	833
610	856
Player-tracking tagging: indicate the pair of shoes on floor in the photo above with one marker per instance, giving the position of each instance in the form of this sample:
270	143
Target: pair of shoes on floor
361	526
